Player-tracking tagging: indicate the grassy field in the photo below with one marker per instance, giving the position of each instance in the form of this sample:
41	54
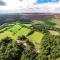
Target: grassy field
15	28
28	25
57	21
53	32
36	38
18	30
58	59
23	31
6	34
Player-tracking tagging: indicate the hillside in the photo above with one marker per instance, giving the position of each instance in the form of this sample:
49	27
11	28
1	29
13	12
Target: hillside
37	40
27	17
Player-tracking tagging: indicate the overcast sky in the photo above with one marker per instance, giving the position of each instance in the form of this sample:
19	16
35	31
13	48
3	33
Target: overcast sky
21	6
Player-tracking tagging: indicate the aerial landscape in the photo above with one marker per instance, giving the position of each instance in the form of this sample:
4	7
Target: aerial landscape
29	29
30	39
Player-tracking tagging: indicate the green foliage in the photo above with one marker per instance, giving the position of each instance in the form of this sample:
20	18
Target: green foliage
8	50
28	55
50	47
31	32
44	27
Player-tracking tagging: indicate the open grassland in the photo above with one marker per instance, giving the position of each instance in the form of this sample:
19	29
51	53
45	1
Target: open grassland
36	38
18	30
58	59
15	28
23	31
54	32
57	21
6	34
41	35
28	25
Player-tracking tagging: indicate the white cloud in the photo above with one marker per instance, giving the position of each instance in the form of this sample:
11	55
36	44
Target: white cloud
49	7
29	6
16	5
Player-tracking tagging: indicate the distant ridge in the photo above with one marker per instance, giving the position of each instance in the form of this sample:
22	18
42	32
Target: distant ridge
12	17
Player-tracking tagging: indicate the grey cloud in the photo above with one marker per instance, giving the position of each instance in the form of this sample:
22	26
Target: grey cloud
2	3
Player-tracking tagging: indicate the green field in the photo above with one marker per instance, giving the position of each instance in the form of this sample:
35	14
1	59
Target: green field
21	29
6	34
15	28
36	38
42	35
28	25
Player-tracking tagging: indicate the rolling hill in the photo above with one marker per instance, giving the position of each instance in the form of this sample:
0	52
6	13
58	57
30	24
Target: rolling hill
30	37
